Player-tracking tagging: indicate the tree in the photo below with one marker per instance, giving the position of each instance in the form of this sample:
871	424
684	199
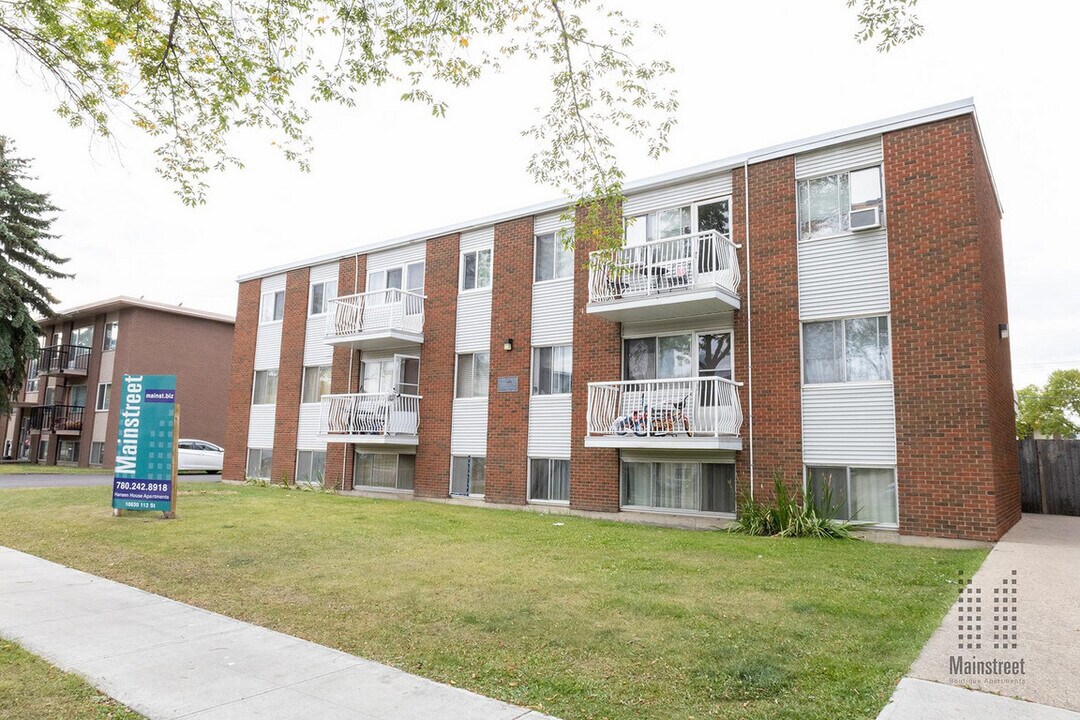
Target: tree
24	224
1053	410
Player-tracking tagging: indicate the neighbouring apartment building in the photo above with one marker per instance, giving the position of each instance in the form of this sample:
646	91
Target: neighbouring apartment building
830	312
63	414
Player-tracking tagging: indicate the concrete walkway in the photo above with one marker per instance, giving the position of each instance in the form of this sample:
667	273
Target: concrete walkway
165	659
1044	553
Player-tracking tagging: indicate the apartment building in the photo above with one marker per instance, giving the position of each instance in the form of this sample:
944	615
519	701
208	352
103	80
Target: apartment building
830	312
64	413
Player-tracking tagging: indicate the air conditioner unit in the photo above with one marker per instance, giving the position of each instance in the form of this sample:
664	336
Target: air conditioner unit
866	219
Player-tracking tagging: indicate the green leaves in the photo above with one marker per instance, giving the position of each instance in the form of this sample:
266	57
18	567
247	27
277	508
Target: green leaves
1051	411
891	22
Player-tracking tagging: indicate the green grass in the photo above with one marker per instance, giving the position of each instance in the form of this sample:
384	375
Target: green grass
32	469
582	618
32	689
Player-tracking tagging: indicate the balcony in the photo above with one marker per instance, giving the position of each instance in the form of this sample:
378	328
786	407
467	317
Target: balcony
678	414
59	419
65	360
376	320
387	419
665	279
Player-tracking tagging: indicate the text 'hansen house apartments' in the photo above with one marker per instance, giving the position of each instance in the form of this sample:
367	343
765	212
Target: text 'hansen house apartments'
829	312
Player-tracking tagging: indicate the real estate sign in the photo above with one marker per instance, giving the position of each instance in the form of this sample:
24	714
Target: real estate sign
146	444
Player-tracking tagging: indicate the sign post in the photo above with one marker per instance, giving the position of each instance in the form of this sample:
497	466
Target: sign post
146	445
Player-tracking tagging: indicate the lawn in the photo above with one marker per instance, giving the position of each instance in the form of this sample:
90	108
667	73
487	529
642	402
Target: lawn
32	689
32	469
582	618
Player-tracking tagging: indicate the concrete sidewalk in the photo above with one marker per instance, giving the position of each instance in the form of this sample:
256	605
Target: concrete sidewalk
165	659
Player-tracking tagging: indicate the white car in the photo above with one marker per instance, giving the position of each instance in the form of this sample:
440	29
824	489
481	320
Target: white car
199	455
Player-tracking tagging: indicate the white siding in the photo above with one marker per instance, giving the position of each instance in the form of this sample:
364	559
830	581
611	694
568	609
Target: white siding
316	350
468	435
324	273
308	428
839	157
552	222
849	424
553	312
549	426
268	339
846	275
676	195
721	322
476	239
474	322
261	426
396	257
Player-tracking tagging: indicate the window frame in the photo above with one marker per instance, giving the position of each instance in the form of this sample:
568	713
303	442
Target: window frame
843	345
107	337
694	343
324	284
43	450
304	383
457	366
847	476
652	463
99	396
76	443
358	452
489	249
843	233
262	306
694	218
247	462
469	469
529	476
533	369
558	245
255	384
310	464
97	447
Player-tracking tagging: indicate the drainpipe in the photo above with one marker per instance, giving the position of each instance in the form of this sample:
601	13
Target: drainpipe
749	334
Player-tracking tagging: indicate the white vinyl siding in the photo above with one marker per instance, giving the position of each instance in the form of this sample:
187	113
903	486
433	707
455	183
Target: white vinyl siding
846	275
474	308
396	257
307	428
839	157
468	434
677	195
261	426
549	426
849	424
268	338
316	350
553	312
550	223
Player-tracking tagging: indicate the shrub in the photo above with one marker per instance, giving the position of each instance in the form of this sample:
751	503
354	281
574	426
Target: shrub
786	517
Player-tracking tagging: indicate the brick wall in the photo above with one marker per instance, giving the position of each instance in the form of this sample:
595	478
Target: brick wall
290	373
241	377
352	278
951	373
93	377
511	317
437	367
594	472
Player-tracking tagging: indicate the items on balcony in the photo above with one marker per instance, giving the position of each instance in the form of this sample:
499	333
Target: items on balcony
375	417
372	319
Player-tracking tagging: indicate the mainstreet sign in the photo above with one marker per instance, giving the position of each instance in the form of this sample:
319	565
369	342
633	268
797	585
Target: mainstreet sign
145	475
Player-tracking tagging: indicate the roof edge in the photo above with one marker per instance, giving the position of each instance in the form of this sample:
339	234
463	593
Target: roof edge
122	301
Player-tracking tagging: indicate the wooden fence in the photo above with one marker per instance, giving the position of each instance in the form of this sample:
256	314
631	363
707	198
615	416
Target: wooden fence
1050	476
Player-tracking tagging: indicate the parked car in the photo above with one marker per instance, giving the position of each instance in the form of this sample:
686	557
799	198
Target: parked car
199	455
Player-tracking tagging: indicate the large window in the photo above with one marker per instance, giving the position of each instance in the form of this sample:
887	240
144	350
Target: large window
320	296
32	376
472	375
857	494
260	463
852	350
549	479
679	486
68	452
83	337
112	331
265	390
383	471
684	220
401	374
826	204
272	308
43	450
476	269
97	453
103	391
405	277
76	396
554	260
310	466
467	475
316	383
551	370
672	356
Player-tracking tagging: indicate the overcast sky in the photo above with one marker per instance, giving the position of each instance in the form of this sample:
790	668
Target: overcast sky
749	75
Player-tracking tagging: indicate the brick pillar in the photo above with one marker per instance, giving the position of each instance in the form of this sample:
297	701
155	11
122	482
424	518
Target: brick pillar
741	333
437	357
290	373
352	278
955	442
241	377
594	472
511	317
774	309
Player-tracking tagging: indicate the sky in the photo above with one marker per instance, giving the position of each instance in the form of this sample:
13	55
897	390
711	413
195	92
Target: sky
749	75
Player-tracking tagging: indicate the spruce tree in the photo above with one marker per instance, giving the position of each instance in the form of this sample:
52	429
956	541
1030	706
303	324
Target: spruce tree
25	219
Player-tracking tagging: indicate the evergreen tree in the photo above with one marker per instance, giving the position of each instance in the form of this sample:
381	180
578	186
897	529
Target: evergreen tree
25	219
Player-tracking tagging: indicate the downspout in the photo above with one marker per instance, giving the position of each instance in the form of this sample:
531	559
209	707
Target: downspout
749	334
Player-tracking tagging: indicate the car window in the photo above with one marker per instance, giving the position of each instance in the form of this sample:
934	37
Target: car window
186	446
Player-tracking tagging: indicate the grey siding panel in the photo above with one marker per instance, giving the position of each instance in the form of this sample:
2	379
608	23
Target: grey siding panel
468	435
553	313
261	426
717	185
474	322
849	424
549	426
840	157
846	275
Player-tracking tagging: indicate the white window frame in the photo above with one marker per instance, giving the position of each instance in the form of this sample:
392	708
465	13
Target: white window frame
802	351
311	460
461	270
532	369
397	472
528	482
694	217
487	389
304	382
106	336
404	268
43	450
849	231
272	294
694	336
98	398
327	297
675	511
254	384
557	236
60	448
470	459
847	474
247	462
97	448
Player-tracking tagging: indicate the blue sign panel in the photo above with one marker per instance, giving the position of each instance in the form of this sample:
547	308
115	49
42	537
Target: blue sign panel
144	443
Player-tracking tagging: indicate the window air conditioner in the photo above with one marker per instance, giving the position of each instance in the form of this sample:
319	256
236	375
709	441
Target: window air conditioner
866	219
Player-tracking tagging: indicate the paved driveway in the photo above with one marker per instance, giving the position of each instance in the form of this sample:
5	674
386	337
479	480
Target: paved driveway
69	480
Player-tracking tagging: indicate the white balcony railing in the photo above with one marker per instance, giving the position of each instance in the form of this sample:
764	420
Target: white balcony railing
682	407
378	311
370	414
696	261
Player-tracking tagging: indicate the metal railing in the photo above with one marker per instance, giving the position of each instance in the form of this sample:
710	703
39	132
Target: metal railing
375	311
686	407
694	261
56	418
64	358
370	414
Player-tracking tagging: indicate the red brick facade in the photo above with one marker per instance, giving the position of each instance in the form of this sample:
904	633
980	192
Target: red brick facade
241	378
352	277
290	374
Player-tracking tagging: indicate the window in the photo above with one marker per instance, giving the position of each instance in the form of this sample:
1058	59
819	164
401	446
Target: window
472	375
50	395
857	494
112	329
676	222
273	307
850	350
83	337
551	370
650	358
265	390
476	269
320	296
260	462
826	203
311	466
97	453
549	479
76	395
679	486
383	471
406	277
316	383
467	475
554	260
68	452
43	450
32	376
103	390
